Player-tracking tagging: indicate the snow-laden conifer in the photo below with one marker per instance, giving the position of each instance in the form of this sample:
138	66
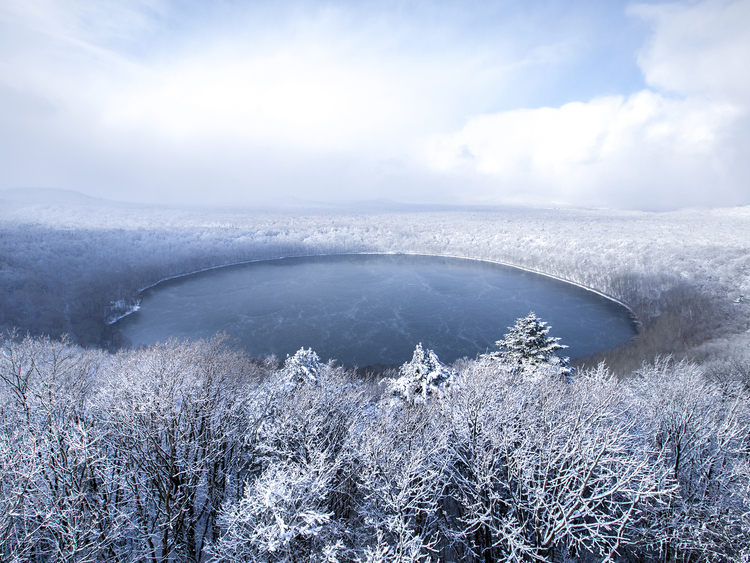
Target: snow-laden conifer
529	349
304	367
423	377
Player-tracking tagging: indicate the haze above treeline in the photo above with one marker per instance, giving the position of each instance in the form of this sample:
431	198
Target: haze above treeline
573	103
22	198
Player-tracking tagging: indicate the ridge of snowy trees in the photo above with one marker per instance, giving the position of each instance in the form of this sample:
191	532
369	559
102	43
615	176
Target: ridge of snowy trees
188	451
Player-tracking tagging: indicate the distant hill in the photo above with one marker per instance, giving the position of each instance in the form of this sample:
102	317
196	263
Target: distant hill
51	196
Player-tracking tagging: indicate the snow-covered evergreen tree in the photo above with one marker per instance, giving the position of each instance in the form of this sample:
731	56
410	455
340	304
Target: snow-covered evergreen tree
422	377
304	367
528	346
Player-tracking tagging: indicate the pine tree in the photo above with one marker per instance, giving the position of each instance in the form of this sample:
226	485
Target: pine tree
528	344
424	376
304	367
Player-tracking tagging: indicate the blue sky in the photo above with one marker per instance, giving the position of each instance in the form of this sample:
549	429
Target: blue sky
547	103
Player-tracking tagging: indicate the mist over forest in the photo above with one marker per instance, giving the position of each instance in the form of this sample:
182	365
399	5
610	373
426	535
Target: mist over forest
194	451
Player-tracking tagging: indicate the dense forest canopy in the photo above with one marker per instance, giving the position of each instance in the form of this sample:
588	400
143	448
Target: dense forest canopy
190	452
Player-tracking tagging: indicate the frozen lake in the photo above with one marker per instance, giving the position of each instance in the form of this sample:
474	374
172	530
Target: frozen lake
373	309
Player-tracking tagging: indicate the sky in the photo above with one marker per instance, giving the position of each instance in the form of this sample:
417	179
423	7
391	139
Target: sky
545	103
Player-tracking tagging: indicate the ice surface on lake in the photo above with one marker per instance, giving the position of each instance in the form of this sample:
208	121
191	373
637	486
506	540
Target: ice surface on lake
366	310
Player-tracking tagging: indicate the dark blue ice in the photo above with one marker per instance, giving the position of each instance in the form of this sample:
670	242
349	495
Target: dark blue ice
373	309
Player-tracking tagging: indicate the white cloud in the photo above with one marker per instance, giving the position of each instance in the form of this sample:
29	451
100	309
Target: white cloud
327	101
313	80
579	142
301	97
655	149
698	48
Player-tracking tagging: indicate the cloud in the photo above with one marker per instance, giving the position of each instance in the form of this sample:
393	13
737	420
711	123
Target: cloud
319	79
302	96
611	150
698	49
672	146
163	100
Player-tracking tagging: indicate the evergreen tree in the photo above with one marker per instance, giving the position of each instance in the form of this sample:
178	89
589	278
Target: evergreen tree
304	367
528	344
424	376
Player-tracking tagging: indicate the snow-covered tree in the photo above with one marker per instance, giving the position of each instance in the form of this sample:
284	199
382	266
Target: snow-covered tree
172	417
282	516
702	432
547	474
154	454
56	497
304	367
400	466
528	345
421	378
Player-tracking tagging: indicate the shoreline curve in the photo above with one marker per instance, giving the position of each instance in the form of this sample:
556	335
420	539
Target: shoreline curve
633	316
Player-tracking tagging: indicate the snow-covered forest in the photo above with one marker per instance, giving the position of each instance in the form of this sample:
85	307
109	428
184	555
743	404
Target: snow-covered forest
191	452
194	452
